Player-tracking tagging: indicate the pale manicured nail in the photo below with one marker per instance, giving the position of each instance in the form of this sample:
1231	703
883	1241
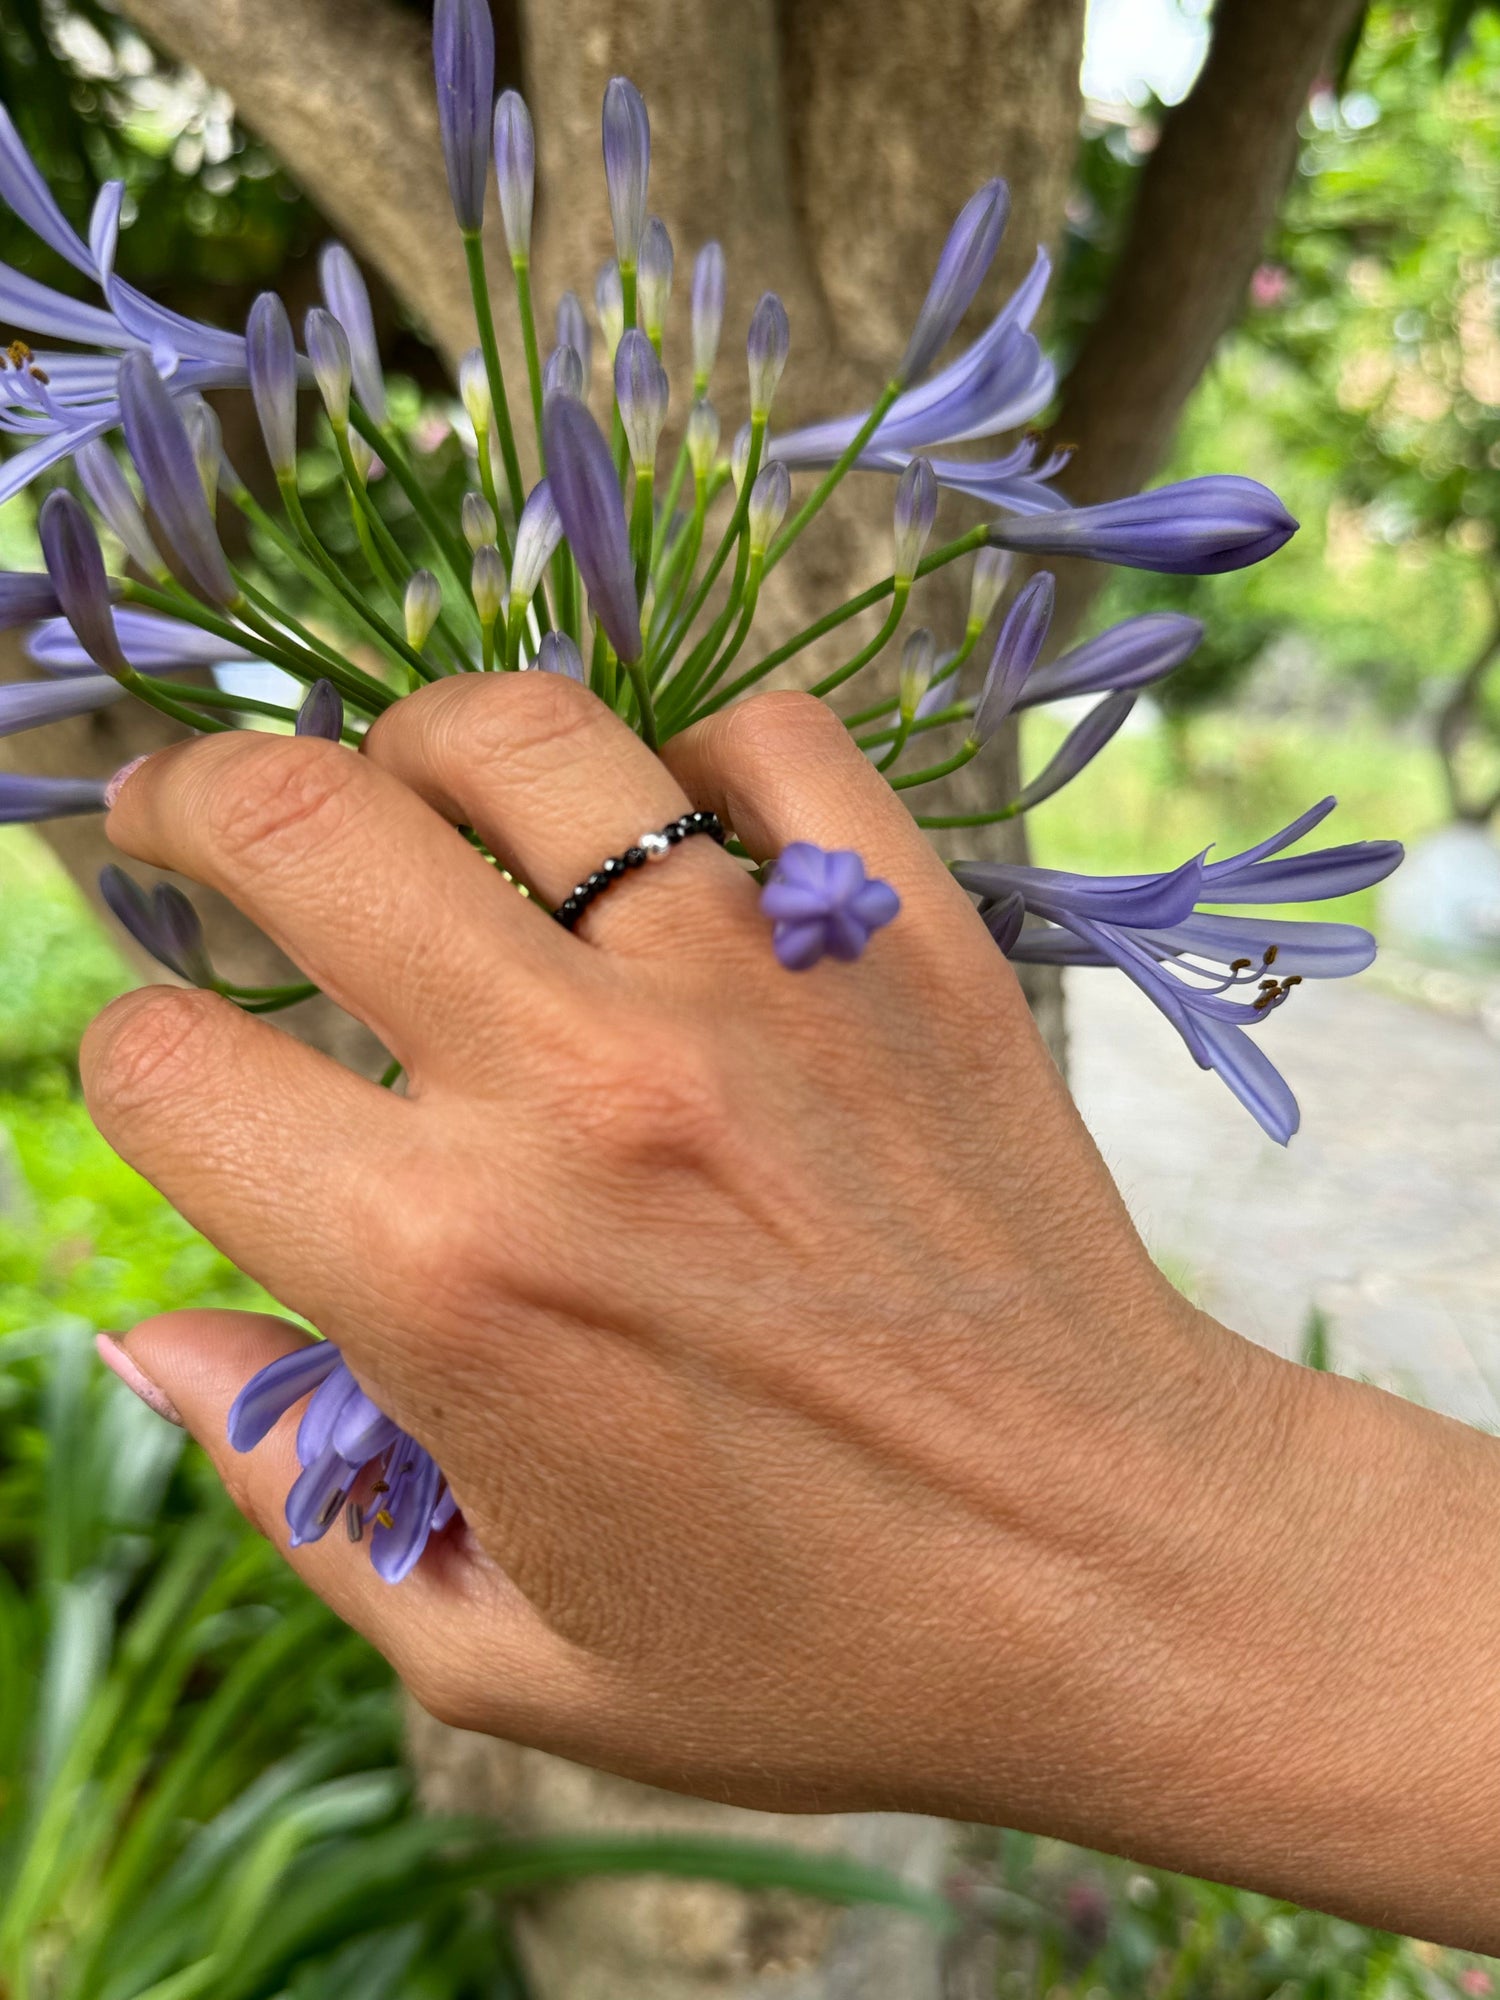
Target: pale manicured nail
115	785
110	1351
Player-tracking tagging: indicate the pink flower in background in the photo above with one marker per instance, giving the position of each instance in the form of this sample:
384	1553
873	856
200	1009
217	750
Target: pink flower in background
1269	285
1474	1979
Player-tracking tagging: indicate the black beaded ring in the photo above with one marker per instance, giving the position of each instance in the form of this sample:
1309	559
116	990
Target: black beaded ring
650	847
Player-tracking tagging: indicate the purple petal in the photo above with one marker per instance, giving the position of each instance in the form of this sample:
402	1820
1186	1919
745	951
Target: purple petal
37	308
317	1495
463	61
515	170
1079	748
149	642
793	902
766	348
1022	637
966	257
1254	1079
799	945
558	655
271	356
28	196
332	361
24	800
1313	950
708	312
1273	843
1005	918
581	474
321	713
315	1432
76	567
24	595
268	1395
627	164
1155	900
395	1551
104	481
1129	655
133	907
361	1429
346	297
163	455
1198	527
875	904
573	329
1309	878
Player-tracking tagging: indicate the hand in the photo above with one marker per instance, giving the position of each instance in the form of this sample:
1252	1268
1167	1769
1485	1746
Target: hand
824	1436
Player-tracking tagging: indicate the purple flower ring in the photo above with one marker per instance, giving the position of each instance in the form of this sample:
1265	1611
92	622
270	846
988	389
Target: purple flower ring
823	905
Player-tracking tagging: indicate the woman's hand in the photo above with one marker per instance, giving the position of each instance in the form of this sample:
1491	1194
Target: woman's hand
823	1434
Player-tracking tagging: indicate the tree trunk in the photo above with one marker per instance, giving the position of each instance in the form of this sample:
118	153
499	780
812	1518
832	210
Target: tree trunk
828	151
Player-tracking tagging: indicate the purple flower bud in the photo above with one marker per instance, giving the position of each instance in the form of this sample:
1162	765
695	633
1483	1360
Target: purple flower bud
770	497
641	390
463	61
581	474
992	568
271	357
563	374
1004	918
916	510
515	170
163	455
25	800
1080	746
609	304
487	581
1128	655
702	438
627	165
423	603
76	567
477	518
573	329
26	595
967	255
1197	527
103	479
538	533
654	279
322	712
558	655
1021	639
708	312
164	923
766	349
823	905
32	704
206	436
346	297
332	362
918	658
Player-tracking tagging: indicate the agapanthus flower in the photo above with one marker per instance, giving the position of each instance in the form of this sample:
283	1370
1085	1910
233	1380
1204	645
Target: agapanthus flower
357	1465
1216	977
653	608
822	904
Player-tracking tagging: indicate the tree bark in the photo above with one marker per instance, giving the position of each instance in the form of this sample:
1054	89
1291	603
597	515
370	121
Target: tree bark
1208	197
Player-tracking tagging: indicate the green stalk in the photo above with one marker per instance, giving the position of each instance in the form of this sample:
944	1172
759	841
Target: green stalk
967	819
479	286
356	686
642	522
960	711
155	697
450	548
391	641
963	755
641	682
274	613
730	537
521	267
833	475
898	744
877	645
352	682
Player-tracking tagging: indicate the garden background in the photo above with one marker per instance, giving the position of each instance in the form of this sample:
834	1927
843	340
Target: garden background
201	1779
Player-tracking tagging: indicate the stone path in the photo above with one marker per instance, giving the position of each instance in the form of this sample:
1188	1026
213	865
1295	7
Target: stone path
1384	1211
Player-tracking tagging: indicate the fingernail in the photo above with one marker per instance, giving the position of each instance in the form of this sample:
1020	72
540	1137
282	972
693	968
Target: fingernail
115	785
109	1350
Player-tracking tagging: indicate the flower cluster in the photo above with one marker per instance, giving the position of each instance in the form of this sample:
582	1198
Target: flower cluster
635	570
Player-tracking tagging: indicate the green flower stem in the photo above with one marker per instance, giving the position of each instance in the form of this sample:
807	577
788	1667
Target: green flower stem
352	682
898	744
272	529
487	645
642	521
676	573
391	555
213	697
876	646
960	711
874	713
390	1076
565	584
866	600
156	697
479	286
833	475
747	618
963	755
674	485
264	998
272	612
640	680
391	642
730	537
355	685
968	819
388	447
521	268
686	685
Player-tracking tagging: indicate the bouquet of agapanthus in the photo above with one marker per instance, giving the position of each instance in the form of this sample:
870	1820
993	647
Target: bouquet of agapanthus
635	571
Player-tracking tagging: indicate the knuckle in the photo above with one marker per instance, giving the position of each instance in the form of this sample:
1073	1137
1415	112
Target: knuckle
655	1094
300	787
769	725
142	1047
521	719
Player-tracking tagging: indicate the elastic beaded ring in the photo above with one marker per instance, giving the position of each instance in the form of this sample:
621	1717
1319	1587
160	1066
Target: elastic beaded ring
649	847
